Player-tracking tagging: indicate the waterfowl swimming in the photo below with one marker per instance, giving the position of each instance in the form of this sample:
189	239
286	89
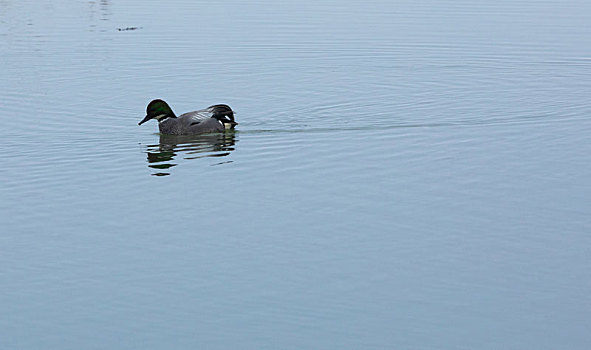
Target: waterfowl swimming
210	119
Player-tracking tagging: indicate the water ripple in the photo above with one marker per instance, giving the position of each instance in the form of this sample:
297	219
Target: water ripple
171	149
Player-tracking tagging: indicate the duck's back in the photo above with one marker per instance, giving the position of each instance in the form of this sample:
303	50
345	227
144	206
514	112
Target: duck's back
195	122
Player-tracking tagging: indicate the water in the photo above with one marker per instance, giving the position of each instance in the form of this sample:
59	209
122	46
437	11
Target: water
404	175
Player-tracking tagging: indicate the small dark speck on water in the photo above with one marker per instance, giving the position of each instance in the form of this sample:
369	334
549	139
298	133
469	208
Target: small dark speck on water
128	28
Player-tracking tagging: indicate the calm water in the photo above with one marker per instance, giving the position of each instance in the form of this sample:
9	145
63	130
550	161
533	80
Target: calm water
405	175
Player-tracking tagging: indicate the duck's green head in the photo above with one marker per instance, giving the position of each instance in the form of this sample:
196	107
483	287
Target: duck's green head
159	110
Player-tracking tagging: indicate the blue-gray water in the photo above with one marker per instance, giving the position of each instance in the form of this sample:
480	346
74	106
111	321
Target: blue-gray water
405	175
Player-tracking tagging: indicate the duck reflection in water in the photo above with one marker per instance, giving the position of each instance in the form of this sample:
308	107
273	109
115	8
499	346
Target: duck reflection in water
162	156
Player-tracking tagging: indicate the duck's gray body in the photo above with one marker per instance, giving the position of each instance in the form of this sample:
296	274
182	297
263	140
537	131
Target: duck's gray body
191	123
211	119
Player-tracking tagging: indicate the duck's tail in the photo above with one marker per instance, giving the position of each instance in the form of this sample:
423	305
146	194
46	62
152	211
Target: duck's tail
224	113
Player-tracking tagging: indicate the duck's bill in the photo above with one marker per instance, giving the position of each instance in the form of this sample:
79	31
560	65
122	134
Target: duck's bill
144	120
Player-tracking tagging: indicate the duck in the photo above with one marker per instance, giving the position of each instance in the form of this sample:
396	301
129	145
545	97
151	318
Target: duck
211	119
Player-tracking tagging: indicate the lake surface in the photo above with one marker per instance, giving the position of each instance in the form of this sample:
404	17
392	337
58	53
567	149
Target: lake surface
405	175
